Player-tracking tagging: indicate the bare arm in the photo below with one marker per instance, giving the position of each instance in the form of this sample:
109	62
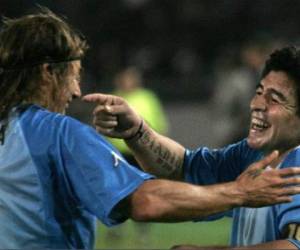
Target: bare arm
156	154
170	201
173	201
291	231
277	244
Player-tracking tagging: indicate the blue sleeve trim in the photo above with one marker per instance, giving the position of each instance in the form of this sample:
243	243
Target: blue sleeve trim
115	200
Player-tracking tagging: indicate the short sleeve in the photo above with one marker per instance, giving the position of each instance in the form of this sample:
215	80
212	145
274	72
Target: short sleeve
206	166
99	175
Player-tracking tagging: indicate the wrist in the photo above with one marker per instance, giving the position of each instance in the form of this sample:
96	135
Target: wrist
139	132
234	194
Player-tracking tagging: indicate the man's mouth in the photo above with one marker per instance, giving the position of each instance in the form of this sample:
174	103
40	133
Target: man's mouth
259	125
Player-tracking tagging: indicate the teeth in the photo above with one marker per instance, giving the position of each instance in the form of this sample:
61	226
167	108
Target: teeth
259	124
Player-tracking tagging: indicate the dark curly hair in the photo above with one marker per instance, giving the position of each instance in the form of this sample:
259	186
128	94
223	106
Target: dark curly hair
287	60
28	42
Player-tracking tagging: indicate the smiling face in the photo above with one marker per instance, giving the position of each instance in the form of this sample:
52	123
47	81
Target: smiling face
274	120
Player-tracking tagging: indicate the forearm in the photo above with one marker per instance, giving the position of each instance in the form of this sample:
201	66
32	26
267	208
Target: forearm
163	200
169	201
278	244
158	154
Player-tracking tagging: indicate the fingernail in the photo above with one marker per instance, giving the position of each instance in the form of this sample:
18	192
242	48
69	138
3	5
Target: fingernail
107	108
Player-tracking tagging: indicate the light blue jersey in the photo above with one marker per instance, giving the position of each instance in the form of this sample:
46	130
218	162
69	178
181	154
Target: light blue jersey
56	176
250	225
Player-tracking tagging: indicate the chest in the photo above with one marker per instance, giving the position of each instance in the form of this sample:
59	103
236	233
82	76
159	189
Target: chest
254	226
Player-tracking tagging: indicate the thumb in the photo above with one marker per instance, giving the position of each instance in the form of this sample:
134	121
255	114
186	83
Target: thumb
267	160
96	97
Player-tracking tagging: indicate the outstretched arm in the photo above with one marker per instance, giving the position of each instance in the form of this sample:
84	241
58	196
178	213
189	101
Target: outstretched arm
277	244
169	201
156	154
172	201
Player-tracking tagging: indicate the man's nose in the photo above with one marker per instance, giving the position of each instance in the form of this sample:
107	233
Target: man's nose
76	93
258	102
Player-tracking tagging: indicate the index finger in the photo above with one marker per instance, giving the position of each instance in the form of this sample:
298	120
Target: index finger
284	172
96	97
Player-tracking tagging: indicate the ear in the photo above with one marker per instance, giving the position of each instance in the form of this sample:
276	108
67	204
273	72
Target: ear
48	67
47	72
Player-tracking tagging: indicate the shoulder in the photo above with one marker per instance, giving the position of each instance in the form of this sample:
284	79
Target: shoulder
43	124
41	119
240	149
292	159
44	130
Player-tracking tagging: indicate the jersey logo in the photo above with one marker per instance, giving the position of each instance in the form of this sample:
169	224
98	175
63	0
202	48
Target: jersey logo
117	158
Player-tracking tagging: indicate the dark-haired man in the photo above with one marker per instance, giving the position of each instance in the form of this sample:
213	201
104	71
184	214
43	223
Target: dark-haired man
275	123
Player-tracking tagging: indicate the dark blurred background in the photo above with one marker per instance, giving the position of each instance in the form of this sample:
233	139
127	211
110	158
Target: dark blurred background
177	43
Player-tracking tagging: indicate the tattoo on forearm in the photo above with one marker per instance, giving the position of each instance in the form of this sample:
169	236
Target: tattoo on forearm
168	161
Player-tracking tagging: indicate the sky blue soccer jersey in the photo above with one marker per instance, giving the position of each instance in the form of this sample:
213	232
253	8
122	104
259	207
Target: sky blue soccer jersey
250	225
56	176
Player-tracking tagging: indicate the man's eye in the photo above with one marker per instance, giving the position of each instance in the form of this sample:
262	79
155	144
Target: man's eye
258	92
275	99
